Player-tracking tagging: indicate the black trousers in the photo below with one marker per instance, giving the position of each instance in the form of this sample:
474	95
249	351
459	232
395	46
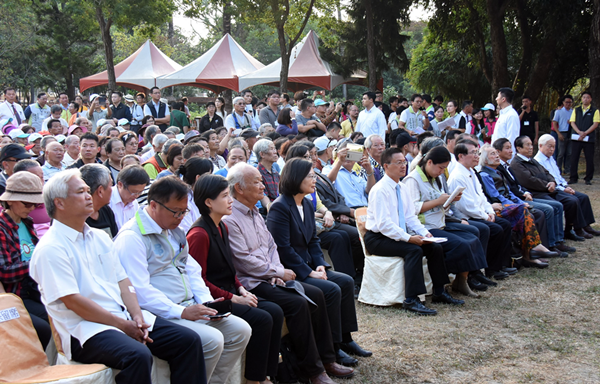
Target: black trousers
338	290
179	346
588	152
337	243
39	318
380	245
498	249
577	208
308	326
357	251
262	357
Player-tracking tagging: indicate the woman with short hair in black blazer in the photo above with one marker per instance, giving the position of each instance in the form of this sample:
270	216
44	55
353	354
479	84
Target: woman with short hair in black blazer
208	241
291	221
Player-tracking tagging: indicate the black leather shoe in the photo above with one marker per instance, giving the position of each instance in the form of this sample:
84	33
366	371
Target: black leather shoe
534	264
564	248
342	358
476	285
510	270
582	233
353	348
417	307
572	236
572	182
591	231
484	280
498	275
540	254
588	183
445	298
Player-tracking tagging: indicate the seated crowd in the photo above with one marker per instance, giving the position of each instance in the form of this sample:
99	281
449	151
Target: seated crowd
200	243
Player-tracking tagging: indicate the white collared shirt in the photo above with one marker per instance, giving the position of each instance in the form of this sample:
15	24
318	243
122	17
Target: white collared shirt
371	121
550	164
67	262
473	203
7	112
508	125
68	160
131	250
148	112
123	213
382	212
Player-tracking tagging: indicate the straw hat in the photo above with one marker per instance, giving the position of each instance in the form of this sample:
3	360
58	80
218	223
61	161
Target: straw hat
23	186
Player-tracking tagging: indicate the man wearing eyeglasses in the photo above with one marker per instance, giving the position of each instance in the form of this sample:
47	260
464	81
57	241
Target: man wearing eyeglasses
130	184
238	119
154	252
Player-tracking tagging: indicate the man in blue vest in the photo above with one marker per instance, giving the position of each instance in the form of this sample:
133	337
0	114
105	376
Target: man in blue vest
159	110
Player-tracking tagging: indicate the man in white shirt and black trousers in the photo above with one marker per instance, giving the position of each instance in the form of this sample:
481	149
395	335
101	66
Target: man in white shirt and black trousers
93	304
389	217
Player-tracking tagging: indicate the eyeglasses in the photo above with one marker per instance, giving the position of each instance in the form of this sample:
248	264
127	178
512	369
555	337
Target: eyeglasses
311	176
30	205
474	153
136	194
176	214
403	162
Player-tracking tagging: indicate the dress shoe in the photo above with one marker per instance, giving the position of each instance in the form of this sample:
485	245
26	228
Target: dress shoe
353	348
445	298
561	254
582	233
498	275
510	270
587	182
564	248
484	280
417	307
591	231
339	371
572	182
321	378
539	254
534	264
476	285
344	359
570	235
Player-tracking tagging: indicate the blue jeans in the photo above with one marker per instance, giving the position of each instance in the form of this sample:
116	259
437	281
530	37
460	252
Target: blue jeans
554	219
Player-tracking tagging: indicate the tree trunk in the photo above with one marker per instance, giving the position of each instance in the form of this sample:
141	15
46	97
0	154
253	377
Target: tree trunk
495	10
541	71
594	53
285	58
70	86
108	48
520	81
171	32
227	94
372	74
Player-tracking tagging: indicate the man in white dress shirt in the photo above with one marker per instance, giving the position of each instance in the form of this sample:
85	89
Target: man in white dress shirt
130	184
390	221
10	109
158	109
474	207
168	281
508	124
92	302
371	120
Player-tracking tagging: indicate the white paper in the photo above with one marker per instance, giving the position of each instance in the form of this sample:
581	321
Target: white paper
435	239
453	196
449	122
575	137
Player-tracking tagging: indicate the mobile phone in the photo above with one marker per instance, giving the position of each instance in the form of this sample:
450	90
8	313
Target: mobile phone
220	316
222	307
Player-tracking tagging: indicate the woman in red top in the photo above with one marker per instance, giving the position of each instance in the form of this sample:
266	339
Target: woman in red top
209	236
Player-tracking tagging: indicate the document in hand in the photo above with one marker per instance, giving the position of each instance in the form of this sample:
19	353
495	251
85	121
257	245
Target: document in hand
449	122
453	196
575	137
435	239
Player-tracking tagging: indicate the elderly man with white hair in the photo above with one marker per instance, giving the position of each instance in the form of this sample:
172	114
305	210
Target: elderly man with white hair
71	150
375	147
239	119
259	269
158	161
267	156
93	305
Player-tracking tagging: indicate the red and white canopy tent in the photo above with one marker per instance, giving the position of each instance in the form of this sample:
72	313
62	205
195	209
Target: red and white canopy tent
307	69
139	71
218	69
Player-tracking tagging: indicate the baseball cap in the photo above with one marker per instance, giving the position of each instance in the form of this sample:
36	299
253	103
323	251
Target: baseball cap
74	127
320	102
324	142
17	133
33	137
123	121
13	150
101	122
60	138
404	138
93	97
249	133
488	107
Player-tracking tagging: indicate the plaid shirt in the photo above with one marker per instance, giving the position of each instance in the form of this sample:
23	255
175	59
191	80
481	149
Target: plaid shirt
13	271
271	182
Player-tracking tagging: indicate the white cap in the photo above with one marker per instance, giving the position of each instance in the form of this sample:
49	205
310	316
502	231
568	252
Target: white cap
123	121
323	142
488	107
17	133
60	138
34	136
93	96
101	122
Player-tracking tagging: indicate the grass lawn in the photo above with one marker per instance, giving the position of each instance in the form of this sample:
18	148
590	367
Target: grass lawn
539	326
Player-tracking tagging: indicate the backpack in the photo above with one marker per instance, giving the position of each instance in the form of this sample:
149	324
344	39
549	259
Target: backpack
288	370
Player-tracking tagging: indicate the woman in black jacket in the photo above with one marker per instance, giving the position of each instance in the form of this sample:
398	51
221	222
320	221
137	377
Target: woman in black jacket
211	120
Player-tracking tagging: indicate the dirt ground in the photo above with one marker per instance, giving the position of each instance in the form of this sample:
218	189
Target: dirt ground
539	326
